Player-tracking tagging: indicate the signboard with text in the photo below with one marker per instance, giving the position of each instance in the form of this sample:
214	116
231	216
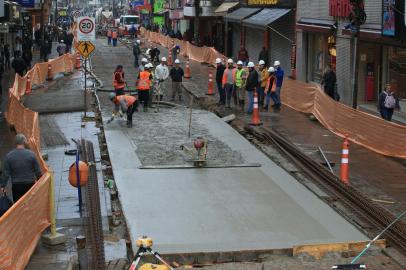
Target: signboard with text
86	29
273	3
26	3
339	8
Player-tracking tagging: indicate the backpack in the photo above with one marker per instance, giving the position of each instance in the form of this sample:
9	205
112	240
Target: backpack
390	101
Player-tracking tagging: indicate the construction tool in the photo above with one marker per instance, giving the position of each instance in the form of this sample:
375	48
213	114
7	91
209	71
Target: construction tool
198	153
326	160
144	245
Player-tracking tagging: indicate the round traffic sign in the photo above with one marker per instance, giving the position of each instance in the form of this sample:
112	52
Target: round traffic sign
86	26
76	14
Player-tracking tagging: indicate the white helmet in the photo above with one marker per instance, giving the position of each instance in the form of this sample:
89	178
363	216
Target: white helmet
277	63
163	59
230	61
250	64
239	62
138	41
149	65
271	69
261	62
144	60
177	61
218	60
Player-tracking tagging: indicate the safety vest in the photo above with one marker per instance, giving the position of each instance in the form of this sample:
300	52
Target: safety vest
114	35
144	83
273	82
109	33
116	84
225	75
238	77
129	100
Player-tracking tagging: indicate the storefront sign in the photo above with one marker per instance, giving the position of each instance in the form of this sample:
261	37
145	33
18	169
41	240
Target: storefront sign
339	8
26	3
388	17
263	2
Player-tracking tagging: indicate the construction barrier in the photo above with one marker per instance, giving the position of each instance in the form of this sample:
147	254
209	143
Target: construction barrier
21	226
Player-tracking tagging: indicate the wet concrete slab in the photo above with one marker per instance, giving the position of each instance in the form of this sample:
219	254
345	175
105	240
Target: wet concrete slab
219	209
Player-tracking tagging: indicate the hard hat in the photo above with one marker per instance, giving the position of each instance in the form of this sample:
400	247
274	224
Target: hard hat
112	96
218	60
177	61
144	60
277	63
271	69
138	41
150	65
239	62
261	62
230	61
163	59
251	64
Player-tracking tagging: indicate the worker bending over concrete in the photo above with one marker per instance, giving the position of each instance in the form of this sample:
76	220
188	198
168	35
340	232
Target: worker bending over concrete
126	104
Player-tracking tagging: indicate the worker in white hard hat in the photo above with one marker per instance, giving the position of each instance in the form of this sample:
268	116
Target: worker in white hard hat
136	53
240	78
161	75
279	73
219	80
263	78
176	75
263	55
270	88
144	61
228	82
251	85
144	81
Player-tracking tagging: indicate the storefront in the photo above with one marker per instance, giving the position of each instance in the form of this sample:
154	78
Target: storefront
395	72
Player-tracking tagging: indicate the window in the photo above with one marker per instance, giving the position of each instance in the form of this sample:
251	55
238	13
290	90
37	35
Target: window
397	70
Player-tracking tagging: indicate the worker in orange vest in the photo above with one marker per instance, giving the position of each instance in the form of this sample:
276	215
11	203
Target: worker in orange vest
124	103
119	81
114	36
228	83
144	85
109	36
270	88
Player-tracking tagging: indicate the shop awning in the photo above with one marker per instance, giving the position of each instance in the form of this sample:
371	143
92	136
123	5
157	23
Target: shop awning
315	25
265	17
240	14
223	8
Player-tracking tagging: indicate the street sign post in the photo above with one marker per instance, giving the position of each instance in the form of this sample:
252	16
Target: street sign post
85	48
86	29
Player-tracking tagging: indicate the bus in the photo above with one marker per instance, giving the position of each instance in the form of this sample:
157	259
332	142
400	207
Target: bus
126	22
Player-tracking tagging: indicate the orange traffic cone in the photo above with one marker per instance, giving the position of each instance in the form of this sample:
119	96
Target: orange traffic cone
344	162
49	77
28	85
77	66
255	121
187	72
169	59
210	88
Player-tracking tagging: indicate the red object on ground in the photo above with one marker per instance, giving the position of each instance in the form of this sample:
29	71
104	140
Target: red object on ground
210	87
187	72
77	66
255	120
83	174
28	85
344	162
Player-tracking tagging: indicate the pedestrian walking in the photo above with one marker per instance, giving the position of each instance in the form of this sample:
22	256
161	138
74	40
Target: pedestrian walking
240	79
119	81
114	36
21	168
38	36
136	52
279	73
17	46
154	54
263	55
263	79
243	55
109	34
387	103
7	56
127	104
251	85
176	74
144	85
270	88
27	57
175	50
61	48
219	81
69	41
161	75
329	82
228	83
18	65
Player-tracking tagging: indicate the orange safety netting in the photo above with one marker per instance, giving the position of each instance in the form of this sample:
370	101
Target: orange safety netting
372	132
22	225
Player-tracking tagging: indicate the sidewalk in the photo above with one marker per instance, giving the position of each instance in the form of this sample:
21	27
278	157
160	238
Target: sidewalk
378	176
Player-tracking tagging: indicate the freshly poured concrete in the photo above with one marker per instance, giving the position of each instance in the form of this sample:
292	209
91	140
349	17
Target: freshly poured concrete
210	210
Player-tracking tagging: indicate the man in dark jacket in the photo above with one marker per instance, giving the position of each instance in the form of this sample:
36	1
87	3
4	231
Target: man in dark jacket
329	81
176	74
251	85
387	103
219	81
27	56
18	65
136	53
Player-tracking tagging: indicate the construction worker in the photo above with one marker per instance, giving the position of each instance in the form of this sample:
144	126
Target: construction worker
144	61
240	79
263	78
127	104
144	81
219	78
161	74
176	74
118	81
109	34
279	73
228	82
251	85
270	88
114	36
136	52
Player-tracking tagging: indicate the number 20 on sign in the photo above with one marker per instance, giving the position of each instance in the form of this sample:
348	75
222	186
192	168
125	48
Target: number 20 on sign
86	29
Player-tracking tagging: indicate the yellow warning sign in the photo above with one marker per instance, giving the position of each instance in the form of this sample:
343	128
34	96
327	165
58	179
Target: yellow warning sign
85	48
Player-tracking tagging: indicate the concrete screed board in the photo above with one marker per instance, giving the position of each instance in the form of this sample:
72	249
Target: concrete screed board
215	210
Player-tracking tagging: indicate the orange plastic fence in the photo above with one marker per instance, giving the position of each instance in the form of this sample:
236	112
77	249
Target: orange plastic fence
23	224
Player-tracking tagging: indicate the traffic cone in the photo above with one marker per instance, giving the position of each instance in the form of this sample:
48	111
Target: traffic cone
344	162
77	66
28	88
210	88
255	121
169	60
187	72
49	77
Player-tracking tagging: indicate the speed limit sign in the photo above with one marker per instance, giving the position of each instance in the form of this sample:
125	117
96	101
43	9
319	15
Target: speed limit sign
86	29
